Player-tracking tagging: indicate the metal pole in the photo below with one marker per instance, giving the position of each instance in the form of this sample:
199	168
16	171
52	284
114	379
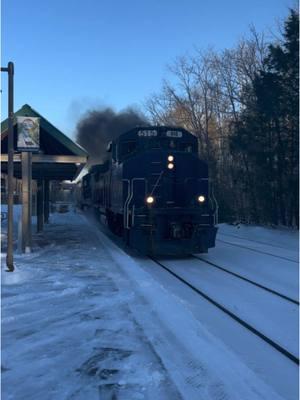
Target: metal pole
10	167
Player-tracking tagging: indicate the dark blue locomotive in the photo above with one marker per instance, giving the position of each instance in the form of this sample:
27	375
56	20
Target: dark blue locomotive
155	192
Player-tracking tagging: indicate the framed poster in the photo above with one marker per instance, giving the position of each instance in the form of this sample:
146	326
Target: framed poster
28	134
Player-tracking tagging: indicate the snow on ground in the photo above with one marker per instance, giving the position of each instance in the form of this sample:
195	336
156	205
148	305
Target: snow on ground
275	316
67	330
82	320
269	257
284	238
272	316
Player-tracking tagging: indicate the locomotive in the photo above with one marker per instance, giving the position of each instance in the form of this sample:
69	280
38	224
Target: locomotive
154	191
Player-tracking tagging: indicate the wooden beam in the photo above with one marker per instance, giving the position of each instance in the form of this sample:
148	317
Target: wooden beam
46	158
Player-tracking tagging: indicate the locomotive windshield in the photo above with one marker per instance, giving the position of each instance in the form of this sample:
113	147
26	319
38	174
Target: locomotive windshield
167	139
128	147
167	143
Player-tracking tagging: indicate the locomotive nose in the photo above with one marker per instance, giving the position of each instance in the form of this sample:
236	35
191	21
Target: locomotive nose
173	181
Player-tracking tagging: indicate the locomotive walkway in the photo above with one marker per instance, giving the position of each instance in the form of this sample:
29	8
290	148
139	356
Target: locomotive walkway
82	320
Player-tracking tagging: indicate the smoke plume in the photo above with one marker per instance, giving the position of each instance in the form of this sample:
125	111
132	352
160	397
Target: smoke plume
98	127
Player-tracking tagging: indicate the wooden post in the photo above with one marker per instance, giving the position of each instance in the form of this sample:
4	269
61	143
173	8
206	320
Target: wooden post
26	201
46	201
40	205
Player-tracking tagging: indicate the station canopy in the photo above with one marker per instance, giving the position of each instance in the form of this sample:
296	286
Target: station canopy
58	158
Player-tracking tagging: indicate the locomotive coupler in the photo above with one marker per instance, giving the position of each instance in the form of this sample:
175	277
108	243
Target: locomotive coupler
175	230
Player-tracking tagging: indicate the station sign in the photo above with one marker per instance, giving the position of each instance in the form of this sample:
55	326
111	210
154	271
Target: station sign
28	134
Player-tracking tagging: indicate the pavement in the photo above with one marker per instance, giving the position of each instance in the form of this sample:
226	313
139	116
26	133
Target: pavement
67	329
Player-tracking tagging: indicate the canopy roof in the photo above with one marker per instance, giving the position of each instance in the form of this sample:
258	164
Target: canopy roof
59	158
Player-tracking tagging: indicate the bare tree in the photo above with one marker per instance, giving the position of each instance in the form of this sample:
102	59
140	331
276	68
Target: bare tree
209	90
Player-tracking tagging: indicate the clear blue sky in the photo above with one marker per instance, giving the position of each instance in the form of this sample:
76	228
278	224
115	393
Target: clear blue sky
73	55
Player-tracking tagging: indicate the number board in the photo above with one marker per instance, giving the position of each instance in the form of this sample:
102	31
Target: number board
174	134
147	133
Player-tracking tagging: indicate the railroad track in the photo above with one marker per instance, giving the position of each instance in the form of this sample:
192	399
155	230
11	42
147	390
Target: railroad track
236	318
251	240
257	251
248	280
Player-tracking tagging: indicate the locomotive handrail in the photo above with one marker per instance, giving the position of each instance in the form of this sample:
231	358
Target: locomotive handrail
127	205
212	199
133	215
157	182
217	210
129	198
132	183
126	201
216	213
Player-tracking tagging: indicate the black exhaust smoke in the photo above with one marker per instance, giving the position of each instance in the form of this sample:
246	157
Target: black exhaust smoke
98	127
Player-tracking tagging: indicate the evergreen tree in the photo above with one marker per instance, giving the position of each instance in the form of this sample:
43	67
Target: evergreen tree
266	134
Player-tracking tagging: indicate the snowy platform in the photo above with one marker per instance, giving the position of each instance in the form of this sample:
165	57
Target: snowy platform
81	319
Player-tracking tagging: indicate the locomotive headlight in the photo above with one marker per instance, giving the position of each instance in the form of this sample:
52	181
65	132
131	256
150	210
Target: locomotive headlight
150	200
170	165
201	199
170	158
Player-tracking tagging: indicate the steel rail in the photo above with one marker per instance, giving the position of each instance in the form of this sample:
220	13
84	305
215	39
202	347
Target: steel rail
248	280
258	251
251	240
269	341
